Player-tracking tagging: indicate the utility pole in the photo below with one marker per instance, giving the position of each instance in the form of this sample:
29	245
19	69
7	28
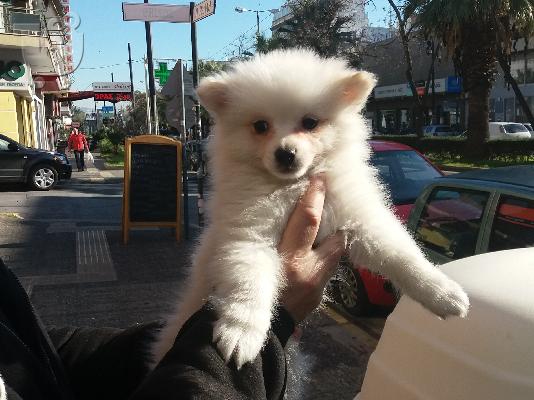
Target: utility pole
131	74
151	83
148	111
185	188
114	103
198	127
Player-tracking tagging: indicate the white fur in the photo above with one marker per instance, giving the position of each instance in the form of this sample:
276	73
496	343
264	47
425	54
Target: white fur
237	266
3	395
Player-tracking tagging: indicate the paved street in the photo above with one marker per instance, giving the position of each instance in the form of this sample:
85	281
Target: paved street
65	245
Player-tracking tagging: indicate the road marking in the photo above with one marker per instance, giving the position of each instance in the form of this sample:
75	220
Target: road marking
93	263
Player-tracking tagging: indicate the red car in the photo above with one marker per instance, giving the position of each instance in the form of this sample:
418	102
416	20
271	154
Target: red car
406	172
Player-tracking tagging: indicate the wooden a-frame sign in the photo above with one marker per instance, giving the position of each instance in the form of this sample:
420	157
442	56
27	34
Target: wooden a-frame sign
152	184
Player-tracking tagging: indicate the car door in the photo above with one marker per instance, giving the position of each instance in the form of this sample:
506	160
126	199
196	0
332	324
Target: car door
11	162
448	226
512	224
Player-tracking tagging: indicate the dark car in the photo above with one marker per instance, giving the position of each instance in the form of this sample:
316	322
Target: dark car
40	169
475	212
406	173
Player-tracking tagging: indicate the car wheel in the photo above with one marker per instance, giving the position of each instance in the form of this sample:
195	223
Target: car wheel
350	291
43	177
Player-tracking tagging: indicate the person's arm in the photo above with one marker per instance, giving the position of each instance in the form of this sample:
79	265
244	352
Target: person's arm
194	369
69	143
104	363
86	146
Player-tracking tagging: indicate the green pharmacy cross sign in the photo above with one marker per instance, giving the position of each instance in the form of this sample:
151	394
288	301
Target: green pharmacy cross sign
12	71
162	74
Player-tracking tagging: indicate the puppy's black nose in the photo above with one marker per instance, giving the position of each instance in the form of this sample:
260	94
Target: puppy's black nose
285	157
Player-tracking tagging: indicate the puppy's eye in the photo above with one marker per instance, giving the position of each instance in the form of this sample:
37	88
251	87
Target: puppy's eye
261	126
309	123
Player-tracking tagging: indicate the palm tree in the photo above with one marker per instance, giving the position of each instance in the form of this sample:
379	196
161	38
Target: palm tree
320	25
473	31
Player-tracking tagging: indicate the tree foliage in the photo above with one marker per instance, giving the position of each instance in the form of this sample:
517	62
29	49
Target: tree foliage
321	25
136	117
475	32
77	114
210	67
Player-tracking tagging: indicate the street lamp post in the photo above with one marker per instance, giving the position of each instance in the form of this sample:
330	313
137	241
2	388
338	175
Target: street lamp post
242	10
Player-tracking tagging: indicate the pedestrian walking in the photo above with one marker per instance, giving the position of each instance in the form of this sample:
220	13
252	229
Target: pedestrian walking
78	143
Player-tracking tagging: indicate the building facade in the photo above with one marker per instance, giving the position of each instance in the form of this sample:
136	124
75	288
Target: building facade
503	103
34	69
391	107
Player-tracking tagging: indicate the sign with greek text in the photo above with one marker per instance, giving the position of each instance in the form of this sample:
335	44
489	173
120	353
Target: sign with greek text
112	87
203	9
15	76
155	12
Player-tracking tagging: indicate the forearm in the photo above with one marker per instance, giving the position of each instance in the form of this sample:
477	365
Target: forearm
104	362
194	368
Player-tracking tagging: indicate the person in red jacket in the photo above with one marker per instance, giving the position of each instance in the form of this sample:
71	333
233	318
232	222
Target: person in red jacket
78	143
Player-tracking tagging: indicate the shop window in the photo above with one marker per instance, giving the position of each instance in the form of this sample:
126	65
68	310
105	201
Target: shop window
405	122
386	121
513	225
451	220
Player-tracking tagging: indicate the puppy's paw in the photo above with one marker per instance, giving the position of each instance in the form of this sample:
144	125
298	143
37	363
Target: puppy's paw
443	296
243	342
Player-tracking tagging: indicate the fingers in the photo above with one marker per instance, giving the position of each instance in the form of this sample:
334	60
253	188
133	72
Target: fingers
304	222
330	251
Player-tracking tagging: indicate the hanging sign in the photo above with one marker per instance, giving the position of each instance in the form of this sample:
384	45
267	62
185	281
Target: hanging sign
155	12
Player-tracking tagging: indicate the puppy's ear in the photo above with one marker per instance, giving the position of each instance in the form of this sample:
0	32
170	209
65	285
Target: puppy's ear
213	94
355	89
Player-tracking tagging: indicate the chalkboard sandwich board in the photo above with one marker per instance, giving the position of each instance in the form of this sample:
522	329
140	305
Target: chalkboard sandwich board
152	184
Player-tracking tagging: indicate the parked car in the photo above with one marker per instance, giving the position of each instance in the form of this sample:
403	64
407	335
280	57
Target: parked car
406	173
486	356
439	130
475	212
40	169
508	130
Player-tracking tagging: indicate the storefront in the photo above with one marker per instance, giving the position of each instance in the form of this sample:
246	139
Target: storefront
17	98
392	108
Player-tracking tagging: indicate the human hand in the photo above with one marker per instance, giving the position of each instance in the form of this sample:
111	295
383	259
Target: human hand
307	269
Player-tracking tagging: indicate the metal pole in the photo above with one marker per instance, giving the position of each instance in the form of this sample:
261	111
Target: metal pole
434	119
131	73
258	23
151	83
185	187
198	127
148	113
114	103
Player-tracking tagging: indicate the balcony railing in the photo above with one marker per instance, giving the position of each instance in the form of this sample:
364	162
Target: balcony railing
22	21
33	22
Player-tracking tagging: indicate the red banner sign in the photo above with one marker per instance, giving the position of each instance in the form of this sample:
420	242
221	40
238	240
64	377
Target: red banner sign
113	97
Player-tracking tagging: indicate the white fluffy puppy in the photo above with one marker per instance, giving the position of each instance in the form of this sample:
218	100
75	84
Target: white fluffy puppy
280	118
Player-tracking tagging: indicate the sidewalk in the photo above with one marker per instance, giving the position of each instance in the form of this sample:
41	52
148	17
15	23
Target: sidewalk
66	247
95	172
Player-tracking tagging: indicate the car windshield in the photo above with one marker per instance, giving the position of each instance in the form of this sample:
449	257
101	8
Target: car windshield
529	127
405	173
515	128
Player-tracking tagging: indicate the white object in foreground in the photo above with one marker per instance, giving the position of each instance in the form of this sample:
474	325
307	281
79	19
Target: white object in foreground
487	355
